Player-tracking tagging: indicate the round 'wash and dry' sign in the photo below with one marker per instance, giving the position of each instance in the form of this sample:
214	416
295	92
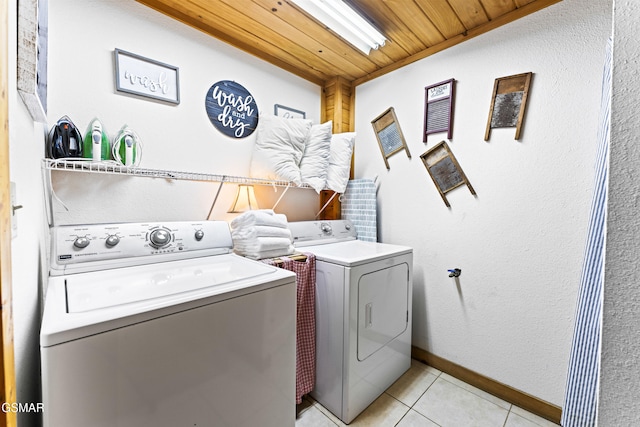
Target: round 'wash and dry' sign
231	109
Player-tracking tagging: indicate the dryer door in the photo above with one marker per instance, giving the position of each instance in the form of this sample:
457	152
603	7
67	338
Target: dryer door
383	297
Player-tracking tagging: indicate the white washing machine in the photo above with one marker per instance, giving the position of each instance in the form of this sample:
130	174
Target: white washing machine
363	314
160	325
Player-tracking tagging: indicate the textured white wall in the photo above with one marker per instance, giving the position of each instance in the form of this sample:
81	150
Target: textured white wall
82	38
619	386
520	242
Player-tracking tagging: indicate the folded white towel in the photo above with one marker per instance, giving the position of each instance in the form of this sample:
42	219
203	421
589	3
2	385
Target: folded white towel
267	254
260	217
261	244
260	231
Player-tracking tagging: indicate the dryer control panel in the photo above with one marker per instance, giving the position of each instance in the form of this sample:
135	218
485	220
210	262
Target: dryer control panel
307	233
135	243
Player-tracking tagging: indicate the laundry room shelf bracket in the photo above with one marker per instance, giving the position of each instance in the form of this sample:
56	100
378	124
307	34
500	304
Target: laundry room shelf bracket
215	199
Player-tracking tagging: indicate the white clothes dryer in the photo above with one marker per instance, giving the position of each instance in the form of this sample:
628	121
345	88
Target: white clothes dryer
363	314
158	324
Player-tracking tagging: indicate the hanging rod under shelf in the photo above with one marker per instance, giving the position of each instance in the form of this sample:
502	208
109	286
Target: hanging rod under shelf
113	168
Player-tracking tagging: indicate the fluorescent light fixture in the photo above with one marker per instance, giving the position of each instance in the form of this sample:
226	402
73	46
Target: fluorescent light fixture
341	18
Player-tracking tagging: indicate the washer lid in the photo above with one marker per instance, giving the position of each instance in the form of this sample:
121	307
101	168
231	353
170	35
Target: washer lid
138	294
109	288
355	252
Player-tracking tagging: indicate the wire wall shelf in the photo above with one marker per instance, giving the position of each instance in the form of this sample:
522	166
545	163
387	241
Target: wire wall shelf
113	168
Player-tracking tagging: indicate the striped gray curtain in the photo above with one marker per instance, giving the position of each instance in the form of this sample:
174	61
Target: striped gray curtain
581	393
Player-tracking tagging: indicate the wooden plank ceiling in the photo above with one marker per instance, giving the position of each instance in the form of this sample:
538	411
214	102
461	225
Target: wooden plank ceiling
281	33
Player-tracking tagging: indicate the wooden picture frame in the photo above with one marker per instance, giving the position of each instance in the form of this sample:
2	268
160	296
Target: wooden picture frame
508	103
146	77
389	135
444	170
438	108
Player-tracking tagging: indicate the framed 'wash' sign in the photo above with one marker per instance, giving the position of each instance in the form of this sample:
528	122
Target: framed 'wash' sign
389	135
438	108
445	171
508	103
145	77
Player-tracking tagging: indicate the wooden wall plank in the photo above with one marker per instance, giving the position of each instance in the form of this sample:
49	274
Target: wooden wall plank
315	35
258	48
7	362
260	33
490	25
337	104
404	41
283	34
442	16
306	33
496	8
421	25
470	12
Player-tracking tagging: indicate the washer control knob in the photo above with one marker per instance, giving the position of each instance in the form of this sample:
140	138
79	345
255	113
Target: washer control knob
160	238
326	228
112	240
81	242
199	235
347	227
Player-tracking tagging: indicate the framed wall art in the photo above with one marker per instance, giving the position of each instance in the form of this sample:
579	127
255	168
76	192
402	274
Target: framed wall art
438	108
231	109
288	113
445	171
32	56
145	77
389	135
508	103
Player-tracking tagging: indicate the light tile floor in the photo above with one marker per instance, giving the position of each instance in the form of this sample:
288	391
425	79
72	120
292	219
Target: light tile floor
427	397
